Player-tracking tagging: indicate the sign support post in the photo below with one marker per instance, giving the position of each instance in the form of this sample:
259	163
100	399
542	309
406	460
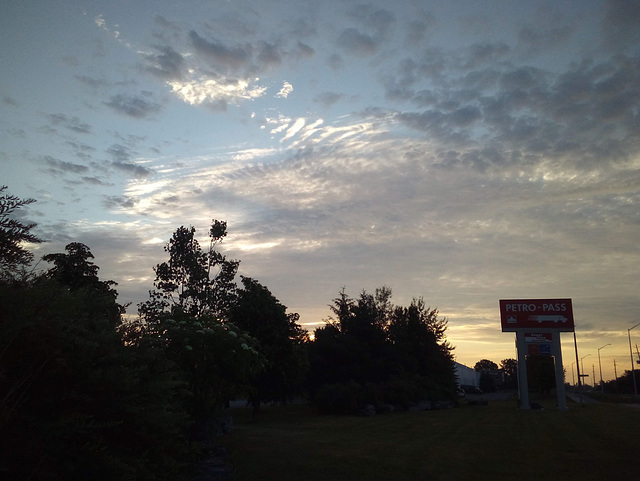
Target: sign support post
523	386
538	324
560	388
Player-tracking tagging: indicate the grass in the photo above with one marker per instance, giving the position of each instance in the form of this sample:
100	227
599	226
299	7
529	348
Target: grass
494	442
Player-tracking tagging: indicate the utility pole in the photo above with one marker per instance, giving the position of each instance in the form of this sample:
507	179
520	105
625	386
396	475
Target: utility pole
615	372
633	370
600	366
593	367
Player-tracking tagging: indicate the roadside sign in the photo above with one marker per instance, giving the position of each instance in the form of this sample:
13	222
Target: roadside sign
538	324
535	349
538	337
547	314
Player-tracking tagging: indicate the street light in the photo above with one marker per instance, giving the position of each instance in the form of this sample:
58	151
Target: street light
582	366
600	366
633	372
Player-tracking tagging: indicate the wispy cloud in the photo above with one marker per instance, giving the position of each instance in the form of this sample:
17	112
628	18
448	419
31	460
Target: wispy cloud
71	123
285	91
217	93
136	106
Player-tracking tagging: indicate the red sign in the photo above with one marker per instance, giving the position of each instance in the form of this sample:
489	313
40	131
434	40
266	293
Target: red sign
547	314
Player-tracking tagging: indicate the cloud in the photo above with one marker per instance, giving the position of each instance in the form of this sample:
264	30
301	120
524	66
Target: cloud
70	123
485	54
119	152
119	202
165	63
357	43
7	100
377	21
135	106
57	166
328	98
621	25
217	92
92	82
133	170
335	61
122	156
294	129
269	55
222	58
286	89
304	51
95	181
535	40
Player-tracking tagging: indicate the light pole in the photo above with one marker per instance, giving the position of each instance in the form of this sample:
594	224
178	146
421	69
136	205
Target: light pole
573	379
600	366
633	372
582	366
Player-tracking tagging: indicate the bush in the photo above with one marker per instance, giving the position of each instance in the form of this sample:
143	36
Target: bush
76	403
339	398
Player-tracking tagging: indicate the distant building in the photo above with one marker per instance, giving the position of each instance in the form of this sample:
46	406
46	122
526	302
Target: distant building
467	375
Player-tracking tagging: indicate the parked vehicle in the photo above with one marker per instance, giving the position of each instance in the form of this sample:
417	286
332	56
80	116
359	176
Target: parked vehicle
469	389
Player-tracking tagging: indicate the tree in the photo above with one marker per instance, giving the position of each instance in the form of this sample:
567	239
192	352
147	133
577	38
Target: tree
193	281
14	233
187	315
510	369
281	339
485	365
487	381
75	270
375	352
75	402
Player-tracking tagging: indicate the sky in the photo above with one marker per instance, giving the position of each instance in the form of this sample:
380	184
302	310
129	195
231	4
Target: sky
461	151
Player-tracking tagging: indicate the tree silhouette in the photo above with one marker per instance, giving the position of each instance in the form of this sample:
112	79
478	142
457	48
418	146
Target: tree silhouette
374	352
485	365
75	401
14	233
192	280
187	316
259	313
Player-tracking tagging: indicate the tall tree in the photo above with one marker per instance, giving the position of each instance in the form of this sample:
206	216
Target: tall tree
76	270
419	338
192	280
260	313
14	233
375	352
187	315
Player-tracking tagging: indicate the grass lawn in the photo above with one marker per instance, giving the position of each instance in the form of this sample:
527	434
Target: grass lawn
470	443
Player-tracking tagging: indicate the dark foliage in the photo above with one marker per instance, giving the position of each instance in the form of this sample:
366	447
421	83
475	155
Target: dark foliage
377	353
281	341
510	369
541	373
13	233
485	365
75	402
624	383
187	316
193	281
